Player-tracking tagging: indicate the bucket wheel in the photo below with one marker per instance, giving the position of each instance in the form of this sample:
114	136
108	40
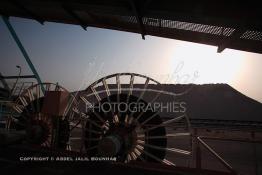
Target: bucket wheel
118	122
42	129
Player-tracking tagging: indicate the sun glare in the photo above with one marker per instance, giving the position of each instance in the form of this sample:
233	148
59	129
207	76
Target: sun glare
191	59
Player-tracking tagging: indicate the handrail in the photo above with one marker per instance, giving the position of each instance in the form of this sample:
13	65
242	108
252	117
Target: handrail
226	164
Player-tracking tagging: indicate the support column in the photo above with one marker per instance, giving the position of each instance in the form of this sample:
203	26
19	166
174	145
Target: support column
22	49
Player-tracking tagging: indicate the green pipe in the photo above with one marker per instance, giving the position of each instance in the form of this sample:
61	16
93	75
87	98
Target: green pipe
22	49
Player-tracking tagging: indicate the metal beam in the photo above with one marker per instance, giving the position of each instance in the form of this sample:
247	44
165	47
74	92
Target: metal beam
138	15
28	12
75	16
225	42
14	77
108	14
226	164
22	49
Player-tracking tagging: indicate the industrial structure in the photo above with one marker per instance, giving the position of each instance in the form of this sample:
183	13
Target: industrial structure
46	118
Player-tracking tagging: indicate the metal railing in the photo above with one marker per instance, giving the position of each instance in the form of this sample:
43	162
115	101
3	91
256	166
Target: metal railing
20	87
200	141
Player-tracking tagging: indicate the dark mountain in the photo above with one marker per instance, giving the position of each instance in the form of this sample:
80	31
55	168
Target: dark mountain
219	101
207	101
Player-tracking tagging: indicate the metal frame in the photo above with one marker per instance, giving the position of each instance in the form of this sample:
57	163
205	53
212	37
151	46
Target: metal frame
22	49
201	22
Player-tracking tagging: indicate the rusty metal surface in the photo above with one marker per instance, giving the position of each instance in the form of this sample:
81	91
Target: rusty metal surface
55	103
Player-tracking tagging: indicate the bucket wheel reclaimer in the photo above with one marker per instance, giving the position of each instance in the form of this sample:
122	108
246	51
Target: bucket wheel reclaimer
43	115
108	119
117	126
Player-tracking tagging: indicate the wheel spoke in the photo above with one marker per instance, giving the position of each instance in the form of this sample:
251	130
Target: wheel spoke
108	94
96	94
152	101
129	158
173	150
138	154
150	118
88	104
156	158
144	90
38	97
21	108
118	91
118	84
133	155
75	126
131	86
168	162
106	87
18	108
31	99
165	136
71	116
23	101
166	123
72	100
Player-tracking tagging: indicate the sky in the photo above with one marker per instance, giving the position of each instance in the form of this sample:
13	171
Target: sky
75	58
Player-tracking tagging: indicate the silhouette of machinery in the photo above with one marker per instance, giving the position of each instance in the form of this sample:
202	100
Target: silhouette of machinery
87	122
41	115
109	119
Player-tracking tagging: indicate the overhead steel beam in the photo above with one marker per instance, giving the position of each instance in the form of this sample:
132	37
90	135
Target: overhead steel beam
204	17
138	16
27	11
75	16
225	42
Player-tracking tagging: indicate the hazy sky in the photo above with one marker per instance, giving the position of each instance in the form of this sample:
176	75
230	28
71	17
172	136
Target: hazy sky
74	58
